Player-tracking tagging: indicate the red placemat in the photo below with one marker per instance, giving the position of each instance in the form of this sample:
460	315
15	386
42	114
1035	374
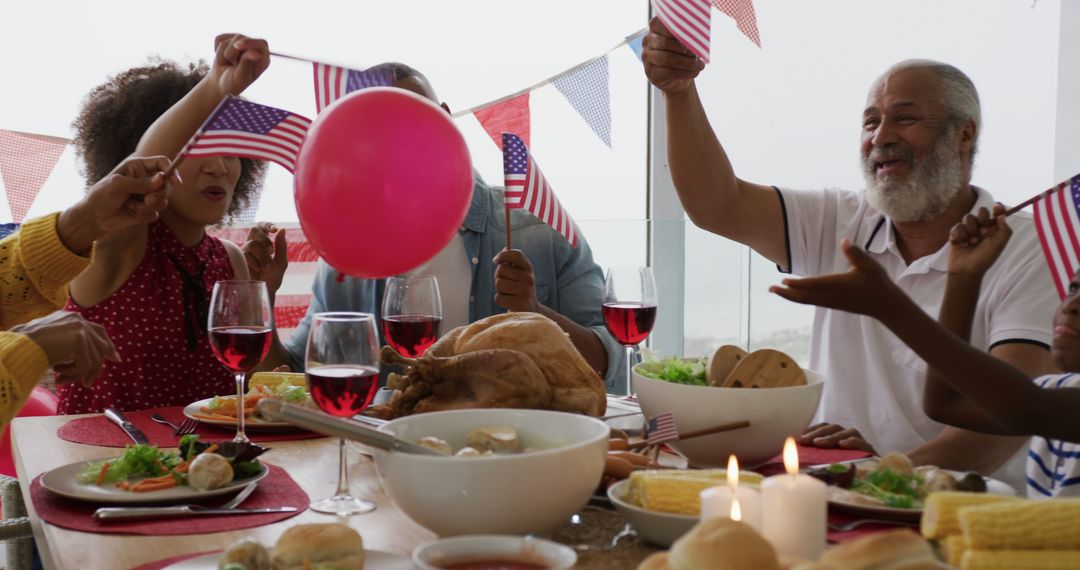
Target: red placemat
836	518
96	430
811	456
158	565
277	490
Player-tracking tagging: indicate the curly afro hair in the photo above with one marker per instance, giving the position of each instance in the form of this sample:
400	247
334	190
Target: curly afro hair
116	113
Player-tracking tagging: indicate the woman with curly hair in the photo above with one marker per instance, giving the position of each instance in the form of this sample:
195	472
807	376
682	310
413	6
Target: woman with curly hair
150	285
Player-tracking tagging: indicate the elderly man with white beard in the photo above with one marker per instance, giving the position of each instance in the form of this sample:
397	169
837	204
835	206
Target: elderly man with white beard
919	132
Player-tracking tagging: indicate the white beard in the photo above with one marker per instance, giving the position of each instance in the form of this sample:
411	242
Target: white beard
932	186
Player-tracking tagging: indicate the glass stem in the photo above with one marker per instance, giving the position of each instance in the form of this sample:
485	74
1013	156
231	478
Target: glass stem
629	366
241	435
343	472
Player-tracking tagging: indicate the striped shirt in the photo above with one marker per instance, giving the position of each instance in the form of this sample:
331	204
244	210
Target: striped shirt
1053	466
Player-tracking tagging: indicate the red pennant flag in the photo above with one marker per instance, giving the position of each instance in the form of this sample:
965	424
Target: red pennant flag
25	163
510	116
742	11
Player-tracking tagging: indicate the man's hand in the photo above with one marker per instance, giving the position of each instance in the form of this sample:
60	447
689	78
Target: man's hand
832	435
669	65
864	289
977	241
515	284
266	260
238	62
133	193
76	348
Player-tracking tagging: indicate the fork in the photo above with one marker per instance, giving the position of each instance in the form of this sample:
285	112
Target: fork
856	524
187	427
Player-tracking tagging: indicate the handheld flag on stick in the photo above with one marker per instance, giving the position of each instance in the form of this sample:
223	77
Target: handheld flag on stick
1057	220
333	83
527	188
689	21
248	130
661	429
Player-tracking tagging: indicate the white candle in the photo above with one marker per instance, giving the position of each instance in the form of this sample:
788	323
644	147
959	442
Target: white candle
794	510
721	501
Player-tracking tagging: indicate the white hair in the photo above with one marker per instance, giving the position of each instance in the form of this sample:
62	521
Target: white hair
958	92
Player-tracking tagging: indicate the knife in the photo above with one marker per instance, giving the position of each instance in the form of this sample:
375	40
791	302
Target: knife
114	514
117	417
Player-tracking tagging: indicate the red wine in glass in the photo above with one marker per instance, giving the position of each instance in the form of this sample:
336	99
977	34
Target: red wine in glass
629	322
411	335
240	348
342	390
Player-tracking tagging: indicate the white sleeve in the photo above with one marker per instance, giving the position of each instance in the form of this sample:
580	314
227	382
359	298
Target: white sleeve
812	222
1021	303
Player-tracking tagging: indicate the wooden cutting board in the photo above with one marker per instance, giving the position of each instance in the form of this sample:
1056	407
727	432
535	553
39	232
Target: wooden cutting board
765	368
722	362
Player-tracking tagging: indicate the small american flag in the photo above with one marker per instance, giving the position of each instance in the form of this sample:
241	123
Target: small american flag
1057	219
689	21
250	130
333	83
527	188
661	429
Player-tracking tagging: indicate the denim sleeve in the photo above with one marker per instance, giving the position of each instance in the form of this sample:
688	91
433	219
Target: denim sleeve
297	343
581	293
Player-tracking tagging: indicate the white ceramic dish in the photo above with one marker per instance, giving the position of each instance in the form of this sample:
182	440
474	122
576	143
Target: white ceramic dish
62	482
844	501
252	424
518	494
773	413
373	560
435	555
658	528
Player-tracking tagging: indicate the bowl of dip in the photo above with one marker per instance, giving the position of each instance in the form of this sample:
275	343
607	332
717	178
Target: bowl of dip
493	552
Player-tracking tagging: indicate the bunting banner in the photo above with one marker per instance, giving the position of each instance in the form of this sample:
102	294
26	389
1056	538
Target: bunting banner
26	161
587	91
742	11
690	21
636	46
509	116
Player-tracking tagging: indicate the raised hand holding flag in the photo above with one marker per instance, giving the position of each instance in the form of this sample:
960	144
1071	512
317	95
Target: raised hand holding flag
527	188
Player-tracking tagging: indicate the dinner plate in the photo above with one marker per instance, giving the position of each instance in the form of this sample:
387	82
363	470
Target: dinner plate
62	482
253	424
373	560
847	501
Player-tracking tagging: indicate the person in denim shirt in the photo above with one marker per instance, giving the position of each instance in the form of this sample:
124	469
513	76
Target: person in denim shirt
543	274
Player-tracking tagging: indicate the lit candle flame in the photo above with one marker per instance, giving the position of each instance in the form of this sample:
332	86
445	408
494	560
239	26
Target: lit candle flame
791	457
736	511
733	472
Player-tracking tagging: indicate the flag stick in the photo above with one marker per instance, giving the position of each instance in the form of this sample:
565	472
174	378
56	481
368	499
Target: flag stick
292	57
195	138
1028	202
508	244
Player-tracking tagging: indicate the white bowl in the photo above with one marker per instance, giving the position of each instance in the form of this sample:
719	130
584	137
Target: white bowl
773	413
658	528
532	492
436	555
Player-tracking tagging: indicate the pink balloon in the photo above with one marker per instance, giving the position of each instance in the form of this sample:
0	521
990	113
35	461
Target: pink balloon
382	182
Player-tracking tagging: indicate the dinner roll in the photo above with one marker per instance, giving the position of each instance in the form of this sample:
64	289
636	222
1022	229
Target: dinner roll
722	544
655	561
899	549
330	544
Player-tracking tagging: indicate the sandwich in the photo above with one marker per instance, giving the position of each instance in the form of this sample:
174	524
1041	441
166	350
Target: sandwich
329	546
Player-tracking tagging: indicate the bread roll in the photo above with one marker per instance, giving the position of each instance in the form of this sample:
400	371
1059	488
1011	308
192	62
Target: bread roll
899	549
247	553
722	544
332	544
655	561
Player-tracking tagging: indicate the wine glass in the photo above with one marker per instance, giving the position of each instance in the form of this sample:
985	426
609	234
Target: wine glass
411	314
629	309
343	374
241	326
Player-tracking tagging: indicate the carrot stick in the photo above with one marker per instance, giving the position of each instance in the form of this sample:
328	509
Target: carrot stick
101	475
215	417
181	467
143	486
211	449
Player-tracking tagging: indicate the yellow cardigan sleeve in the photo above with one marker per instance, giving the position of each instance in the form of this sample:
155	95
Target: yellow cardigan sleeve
22	363
35	269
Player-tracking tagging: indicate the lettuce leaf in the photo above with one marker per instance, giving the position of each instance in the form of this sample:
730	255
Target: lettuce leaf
138	462
677	370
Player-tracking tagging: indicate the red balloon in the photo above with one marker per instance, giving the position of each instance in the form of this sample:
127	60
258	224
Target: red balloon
382	183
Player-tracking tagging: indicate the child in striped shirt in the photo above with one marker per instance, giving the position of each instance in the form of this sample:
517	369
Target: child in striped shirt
966	387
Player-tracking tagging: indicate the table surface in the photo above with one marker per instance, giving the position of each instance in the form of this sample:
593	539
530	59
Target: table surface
312	463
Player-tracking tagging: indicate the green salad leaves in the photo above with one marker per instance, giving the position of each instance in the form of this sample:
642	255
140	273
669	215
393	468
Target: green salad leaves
138	462
677	370
894	489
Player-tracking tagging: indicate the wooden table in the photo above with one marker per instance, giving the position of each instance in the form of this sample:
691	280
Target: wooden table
312	463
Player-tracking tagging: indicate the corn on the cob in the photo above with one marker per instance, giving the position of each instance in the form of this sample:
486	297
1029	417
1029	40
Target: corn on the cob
1020	560
275	378
1023	525
678	492
953	548
939	511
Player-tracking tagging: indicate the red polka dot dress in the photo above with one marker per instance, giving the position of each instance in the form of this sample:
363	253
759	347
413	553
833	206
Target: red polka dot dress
157	320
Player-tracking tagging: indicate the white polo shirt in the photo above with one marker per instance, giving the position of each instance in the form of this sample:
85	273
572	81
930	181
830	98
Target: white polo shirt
874	381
